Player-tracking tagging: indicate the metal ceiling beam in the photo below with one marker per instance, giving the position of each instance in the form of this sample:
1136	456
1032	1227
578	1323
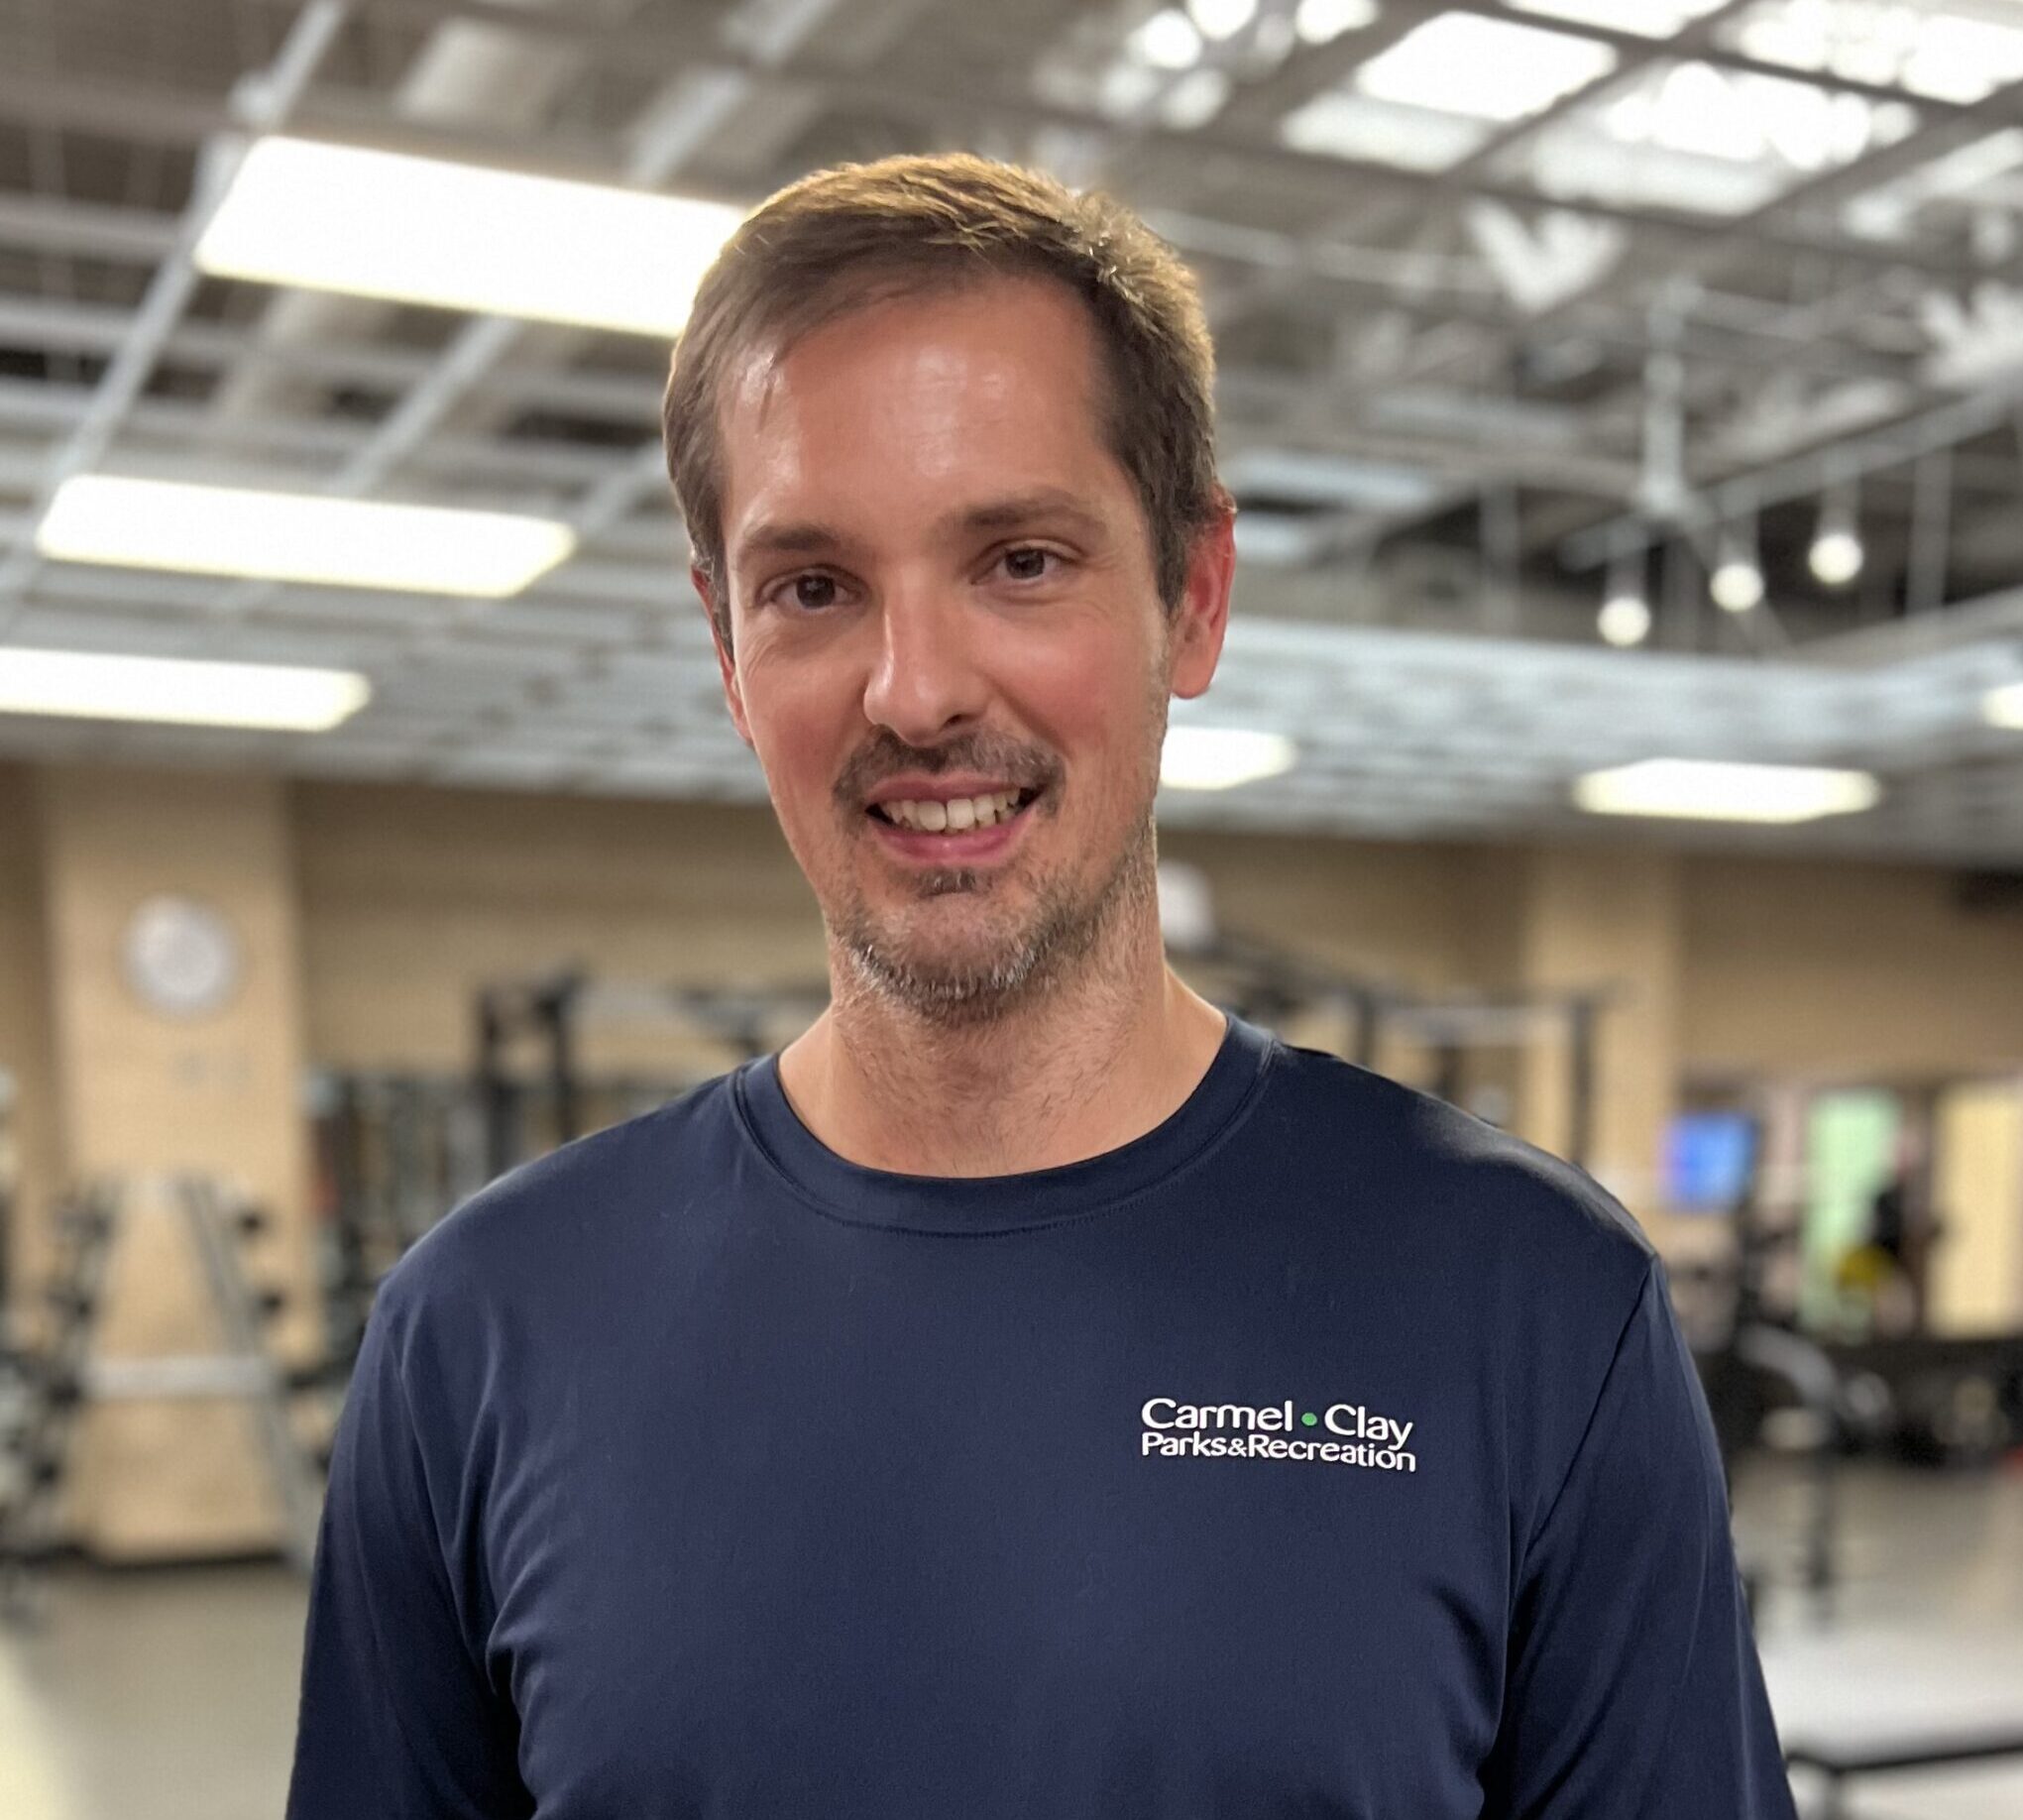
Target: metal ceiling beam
177	433
261	104
63	326
930	103
41	404
1798	476
928	98
47	224
1709	256
1633	55
665	42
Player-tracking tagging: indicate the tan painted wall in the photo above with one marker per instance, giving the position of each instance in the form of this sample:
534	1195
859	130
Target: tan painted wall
1606	916
411	900
1846	969
143	1093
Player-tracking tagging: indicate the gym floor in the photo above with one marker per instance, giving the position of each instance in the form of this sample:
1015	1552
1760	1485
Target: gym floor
171	1695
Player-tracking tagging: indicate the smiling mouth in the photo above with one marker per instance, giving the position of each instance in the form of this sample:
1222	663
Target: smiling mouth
959	815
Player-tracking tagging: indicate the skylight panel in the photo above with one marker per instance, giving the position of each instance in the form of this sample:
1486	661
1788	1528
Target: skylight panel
1711	141
1492	69
1341	125
1745	117
1954	53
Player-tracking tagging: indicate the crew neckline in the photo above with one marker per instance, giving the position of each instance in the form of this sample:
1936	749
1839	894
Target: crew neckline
1002	1204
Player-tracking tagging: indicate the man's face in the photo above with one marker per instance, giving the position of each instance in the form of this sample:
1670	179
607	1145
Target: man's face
950	653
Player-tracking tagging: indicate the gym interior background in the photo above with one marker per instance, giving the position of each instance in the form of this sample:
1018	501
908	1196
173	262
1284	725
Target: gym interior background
1615	392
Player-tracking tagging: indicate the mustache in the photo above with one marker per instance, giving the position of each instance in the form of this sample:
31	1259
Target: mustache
1029	768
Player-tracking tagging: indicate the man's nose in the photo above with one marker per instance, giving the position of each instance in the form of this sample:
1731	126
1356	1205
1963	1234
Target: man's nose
925	680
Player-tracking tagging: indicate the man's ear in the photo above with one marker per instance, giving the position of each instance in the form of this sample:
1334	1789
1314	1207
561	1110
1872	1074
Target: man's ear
1201	619
734	694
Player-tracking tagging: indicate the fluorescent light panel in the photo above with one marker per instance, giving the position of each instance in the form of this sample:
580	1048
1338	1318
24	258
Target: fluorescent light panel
95	686
1486	69
1703	790
303	537
420	230
1221	757
2003	707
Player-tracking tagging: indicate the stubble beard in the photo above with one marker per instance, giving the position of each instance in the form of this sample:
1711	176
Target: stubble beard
1062	938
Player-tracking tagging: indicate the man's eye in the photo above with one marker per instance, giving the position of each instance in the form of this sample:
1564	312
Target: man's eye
1027	564
813	590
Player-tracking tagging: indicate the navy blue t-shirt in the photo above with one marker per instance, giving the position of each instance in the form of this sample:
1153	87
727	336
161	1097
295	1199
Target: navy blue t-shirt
1322	1451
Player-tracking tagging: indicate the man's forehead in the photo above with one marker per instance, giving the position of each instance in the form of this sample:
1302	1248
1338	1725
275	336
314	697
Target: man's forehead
794	462
910	327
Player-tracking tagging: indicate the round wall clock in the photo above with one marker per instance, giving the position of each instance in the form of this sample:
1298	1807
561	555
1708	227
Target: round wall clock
181	955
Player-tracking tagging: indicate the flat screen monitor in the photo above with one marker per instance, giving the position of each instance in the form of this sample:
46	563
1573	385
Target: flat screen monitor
1707	1160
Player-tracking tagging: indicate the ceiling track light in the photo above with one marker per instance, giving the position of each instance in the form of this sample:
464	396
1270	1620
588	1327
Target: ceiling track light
1837	555
1737	584
1624	619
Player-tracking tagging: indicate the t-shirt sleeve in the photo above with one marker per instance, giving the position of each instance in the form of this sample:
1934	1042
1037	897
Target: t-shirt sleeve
1634	1690
398	1719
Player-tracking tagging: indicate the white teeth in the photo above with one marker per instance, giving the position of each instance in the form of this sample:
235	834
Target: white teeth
955	816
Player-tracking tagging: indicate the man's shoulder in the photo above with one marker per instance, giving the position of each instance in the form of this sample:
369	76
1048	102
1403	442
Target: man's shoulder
1423	1165
580	1199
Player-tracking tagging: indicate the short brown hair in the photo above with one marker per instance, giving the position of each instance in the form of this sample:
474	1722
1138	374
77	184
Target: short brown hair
855	235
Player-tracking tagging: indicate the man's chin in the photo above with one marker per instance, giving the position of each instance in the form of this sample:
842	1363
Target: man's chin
968	969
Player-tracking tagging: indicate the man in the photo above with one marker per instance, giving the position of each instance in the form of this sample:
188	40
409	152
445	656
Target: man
1030	1393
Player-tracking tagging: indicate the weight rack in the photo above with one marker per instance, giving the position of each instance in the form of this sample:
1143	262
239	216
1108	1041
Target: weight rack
56	1379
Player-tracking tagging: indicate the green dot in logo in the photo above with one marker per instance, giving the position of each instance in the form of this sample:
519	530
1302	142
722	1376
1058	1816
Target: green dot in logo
1310	1419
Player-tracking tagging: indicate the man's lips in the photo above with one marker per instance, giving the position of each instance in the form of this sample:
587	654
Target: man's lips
943	786
904	826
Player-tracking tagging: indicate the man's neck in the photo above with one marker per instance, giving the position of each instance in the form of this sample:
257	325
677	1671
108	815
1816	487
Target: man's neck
1084	1067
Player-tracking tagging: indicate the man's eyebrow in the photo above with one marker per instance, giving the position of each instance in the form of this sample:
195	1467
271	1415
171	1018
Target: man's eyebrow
789	539
808	537
1023	508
